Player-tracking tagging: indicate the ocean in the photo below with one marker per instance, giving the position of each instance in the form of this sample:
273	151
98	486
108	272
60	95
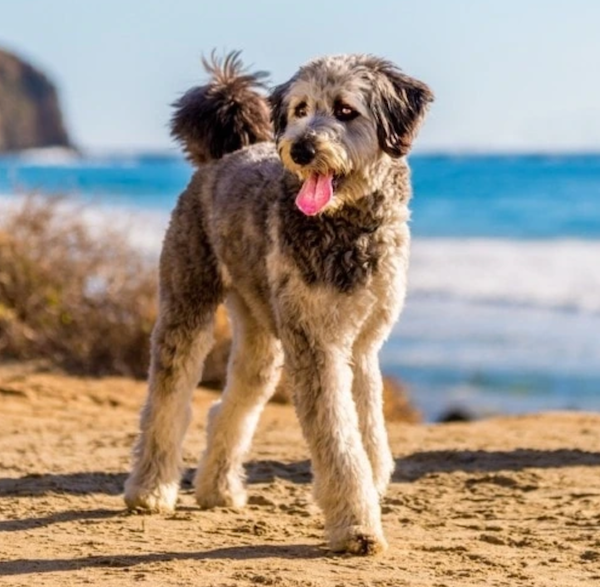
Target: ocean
503	309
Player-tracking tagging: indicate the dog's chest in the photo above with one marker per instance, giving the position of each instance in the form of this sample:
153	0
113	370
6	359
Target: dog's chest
343	250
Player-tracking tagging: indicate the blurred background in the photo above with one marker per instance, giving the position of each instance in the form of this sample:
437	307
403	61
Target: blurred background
503	311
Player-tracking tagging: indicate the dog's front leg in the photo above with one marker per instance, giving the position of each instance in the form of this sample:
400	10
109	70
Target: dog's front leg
367	390
321	380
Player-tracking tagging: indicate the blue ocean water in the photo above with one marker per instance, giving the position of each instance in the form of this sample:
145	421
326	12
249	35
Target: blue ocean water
503	311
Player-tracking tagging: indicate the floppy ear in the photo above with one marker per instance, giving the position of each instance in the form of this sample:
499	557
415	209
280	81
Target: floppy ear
399	104
279	108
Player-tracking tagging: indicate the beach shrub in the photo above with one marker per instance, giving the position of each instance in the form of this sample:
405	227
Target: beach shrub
78	296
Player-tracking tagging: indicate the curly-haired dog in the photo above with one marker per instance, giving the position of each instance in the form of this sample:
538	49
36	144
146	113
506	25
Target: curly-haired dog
306	240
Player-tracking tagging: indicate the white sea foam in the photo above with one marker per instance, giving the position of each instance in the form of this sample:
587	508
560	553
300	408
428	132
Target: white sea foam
143	228
471	337
52	157
556	274
49	157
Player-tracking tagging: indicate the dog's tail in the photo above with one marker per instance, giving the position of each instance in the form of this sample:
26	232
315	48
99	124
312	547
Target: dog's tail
226	114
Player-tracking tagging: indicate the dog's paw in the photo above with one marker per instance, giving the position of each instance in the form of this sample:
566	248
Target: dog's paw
357	540
225	490
208	499
161	499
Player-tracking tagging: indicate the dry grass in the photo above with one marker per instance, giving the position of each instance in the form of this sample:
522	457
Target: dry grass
83	301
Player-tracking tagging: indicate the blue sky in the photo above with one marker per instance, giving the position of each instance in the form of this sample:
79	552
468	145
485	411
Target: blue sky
508	74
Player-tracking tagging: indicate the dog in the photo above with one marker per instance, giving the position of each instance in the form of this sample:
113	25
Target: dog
296	218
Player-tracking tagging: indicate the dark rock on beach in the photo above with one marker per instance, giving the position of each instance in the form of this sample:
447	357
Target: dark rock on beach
30	114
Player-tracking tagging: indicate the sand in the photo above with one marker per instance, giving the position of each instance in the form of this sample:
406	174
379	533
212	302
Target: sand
506	501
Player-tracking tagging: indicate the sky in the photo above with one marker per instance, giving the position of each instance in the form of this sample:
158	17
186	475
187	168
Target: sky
509	75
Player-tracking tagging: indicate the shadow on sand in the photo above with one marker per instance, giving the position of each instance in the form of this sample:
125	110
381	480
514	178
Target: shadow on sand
260	551
419	464
408	468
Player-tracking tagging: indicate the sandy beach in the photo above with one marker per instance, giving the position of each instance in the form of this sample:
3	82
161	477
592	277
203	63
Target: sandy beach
158	159
505	501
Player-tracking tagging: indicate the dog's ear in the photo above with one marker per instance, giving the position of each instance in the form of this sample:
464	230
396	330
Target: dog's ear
399	105
279	108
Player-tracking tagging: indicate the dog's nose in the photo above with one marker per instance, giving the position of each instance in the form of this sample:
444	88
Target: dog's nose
303	152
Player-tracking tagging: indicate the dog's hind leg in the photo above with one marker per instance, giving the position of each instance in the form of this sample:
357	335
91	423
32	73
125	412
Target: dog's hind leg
253	373
178	355
190	290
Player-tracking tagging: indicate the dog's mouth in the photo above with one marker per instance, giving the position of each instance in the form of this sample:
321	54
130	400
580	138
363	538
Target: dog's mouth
316	192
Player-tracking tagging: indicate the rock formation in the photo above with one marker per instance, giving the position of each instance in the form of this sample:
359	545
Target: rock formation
30	115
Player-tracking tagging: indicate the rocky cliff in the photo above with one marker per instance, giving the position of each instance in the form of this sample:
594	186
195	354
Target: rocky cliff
30	115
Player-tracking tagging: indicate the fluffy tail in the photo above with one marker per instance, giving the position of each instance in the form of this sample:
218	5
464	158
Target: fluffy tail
226	114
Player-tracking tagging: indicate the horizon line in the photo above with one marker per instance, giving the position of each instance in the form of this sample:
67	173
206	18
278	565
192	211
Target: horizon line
174	151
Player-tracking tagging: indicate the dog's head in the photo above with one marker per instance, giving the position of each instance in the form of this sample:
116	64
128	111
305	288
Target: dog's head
337	117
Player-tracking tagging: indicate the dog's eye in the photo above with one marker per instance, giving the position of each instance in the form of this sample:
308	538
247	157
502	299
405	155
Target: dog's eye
344	112
301	110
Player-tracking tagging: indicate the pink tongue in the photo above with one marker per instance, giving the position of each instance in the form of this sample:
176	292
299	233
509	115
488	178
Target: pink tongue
316	192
